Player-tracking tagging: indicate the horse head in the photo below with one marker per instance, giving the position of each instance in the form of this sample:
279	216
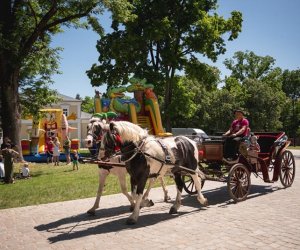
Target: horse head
95	130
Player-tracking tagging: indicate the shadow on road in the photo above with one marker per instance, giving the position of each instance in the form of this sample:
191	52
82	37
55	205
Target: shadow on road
114	219
220	197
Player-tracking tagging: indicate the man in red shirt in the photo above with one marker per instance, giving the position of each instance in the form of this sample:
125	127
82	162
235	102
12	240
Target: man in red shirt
239	128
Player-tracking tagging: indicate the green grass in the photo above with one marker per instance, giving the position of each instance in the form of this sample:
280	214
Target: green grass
56	183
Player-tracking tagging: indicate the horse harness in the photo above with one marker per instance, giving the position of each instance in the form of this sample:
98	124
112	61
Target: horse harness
138	149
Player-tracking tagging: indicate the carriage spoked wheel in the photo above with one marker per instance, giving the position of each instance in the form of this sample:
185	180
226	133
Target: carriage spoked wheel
189	185
239	182
287	168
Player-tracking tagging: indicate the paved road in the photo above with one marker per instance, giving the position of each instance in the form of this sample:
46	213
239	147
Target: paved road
268	219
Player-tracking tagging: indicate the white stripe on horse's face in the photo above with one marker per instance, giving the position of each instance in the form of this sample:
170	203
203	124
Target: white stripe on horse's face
94	131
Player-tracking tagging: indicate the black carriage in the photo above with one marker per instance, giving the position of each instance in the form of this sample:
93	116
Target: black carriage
272	157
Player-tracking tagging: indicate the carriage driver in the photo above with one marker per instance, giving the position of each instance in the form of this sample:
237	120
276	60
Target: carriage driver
238	130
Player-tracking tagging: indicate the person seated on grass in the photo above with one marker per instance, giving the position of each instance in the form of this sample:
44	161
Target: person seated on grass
25	172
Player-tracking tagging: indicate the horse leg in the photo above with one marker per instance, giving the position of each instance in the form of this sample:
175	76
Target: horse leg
137	188
121	173
145	202
102	177
200	196
179	185
163	185
136	211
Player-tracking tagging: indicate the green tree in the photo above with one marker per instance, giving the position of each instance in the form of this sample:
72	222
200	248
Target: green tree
264	105
291	114
191	96
248	65
87	105
35	78
166	37
220	110
26	28
257	87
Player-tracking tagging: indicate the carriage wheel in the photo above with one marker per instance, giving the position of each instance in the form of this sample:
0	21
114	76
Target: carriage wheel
287	168
189	185
239	182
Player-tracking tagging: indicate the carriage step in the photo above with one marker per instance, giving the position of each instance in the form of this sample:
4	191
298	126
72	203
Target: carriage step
213	178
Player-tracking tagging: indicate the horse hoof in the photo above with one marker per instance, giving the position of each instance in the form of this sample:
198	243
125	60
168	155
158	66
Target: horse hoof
205	203
91	212
151	203
130	221
166	199
173	210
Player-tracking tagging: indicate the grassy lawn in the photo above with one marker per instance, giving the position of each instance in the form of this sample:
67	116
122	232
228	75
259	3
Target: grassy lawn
60	183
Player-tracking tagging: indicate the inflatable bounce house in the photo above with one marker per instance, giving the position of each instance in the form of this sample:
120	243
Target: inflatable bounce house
143	109
51	123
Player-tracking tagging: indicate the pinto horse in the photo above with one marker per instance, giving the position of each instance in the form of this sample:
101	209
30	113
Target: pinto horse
147	156
95	130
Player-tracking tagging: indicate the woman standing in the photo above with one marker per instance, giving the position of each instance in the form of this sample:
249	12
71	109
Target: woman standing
56	152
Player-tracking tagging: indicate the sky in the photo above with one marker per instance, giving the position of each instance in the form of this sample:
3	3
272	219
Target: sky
270	27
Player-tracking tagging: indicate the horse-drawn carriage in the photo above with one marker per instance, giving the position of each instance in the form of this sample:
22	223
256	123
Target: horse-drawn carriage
272	157
127	148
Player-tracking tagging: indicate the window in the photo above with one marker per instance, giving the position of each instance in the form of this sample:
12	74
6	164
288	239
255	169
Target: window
65	111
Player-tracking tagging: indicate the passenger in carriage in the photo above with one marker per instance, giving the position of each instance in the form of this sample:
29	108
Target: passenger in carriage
238	130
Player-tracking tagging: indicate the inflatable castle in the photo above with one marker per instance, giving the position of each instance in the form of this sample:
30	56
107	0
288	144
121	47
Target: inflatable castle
143	109
51	123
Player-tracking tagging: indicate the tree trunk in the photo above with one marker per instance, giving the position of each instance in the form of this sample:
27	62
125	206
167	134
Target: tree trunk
168	99
10	105
166	106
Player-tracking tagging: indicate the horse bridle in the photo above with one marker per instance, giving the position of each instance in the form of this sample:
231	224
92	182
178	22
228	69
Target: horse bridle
94	135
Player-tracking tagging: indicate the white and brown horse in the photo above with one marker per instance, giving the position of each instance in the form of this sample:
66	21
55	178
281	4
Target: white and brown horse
146	156
95	130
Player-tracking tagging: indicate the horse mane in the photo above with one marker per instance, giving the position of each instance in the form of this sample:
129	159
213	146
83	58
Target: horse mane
129	131
97	119
101	122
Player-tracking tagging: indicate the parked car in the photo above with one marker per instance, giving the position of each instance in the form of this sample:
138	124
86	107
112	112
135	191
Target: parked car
197	133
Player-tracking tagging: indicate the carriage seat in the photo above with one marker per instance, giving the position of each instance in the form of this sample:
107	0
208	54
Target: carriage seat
266	142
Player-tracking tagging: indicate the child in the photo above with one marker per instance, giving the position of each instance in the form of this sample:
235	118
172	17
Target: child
49	150
254	148
56	152
25	171
75	159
